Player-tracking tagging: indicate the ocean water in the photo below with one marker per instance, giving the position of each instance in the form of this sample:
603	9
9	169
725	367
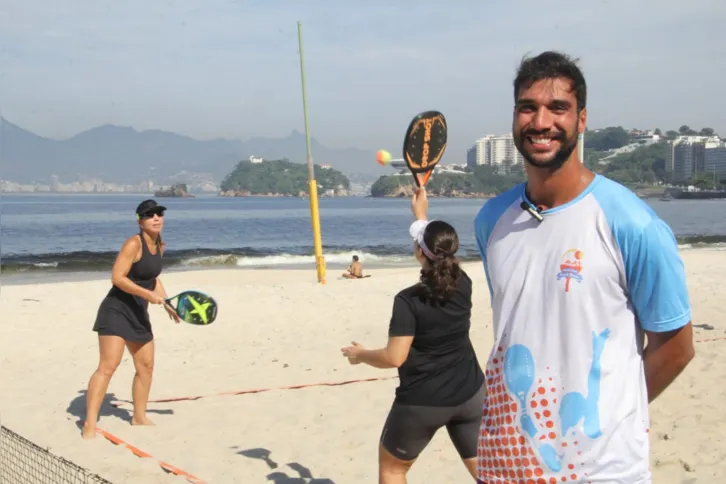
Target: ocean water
44	234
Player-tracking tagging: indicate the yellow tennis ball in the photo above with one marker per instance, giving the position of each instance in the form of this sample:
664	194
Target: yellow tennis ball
383	157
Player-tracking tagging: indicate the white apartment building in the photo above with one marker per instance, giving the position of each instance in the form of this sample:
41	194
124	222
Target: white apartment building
494	150
690	155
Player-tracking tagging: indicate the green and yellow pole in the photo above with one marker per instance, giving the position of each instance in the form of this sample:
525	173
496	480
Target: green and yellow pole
312	184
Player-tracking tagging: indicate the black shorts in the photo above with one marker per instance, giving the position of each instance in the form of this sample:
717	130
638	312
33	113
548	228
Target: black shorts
409	428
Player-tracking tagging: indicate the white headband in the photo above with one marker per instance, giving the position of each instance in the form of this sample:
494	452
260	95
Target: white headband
417	230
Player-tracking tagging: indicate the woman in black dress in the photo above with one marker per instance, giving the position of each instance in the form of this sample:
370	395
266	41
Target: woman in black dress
123	317
441	381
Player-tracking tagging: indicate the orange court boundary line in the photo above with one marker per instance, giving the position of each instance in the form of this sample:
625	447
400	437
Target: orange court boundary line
259	390
120	403
710	339
145	455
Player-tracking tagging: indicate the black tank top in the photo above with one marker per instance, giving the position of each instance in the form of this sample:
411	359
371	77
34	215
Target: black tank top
442	369
143	272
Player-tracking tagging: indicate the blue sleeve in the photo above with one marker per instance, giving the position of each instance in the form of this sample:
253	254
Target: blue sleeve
485	222
482	230
654	270
656	277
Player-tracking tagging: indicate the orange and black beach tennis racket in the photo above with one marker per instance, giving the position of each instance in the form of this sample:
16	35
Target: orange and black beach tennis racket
424	144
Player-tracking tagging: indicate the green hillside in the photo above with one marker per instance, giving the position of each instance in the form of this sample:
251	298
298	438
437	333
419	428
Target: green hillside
641	168
280	177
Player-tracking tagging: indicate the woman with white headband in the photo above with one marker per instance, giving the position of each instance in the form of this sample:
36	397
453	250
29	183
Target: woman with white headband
441	382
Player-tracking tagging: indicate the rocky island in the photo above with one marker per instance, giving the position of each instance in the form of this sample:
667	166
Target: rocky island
281	178
178	190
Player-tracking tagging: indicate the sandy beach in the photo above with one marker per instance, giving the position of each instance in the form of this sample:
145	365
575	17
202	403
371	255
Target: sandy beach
278	328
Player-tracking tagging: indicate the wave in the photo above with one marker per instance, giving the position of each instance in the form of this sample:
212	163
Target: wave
86	261
247	257
701	242
288	259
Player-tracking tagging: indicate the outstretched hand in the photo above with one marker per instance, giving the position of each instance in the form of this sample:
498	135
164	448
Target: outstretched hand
420	204
352	352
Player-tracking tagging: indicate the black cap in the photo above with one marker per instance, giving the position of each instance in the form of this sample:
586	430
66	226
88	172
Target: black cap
149	207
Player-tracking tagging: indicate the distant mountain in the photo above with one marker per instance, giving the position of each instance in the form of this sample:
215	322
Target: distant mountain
124	155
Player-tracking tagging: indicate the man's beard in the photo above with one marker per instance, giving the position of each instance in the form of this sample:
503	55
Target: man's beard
561	156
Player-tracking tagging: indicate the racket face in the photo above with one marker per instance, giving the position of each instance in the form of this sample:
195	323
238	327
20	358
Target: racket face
195	307
424	144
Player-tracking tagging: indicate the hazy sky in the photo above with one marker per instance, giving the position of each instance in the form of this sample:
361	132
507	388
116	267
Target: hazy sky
223	68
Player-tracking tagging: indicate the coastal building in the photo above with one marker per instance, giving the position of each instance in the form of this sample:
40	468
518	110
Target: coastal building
450	168
646	137
686	156
715	161
471	157
494	150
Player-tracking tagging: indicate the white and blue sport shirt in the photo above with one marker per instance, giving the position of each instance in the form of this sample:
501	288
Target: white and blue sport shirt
571	298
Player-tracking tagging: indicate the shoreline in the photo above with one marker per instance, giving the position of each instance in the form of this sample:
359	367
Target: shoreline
46	276
333	271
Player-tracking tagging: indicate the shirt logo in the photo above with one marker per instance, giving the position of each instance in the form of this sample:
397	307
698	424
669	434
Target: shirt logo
570	267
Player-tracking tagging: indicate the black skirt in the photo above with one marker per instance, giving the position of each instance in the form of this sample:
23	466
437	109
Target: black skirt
126	316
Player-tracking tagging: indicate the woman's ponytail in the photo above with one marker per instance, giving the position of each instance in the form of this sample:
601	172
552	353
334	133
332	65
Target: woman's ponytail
440	277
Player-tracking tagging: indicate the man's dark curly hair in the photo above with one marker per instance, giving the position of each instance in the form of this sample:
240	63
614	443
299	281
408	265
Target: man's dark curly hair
551	65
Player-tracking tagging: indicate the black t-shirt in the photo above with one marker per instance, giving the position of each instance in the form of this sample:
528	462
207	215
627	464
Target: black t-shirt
441	368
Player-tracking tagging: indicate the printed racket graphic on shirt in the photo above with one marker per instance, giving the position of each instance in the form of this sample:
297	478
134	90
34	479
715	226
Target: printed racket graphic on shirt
424	144
194	307
519	377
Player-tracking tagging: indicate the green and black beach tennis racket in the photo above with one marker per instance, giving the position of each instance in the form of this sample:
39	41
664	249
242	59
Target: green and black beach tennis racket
424	144
194	307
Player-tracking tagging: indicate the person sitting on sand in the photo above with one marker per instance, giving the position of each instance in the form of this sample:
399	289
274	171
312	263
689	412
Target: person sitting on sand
441	382
123	316
355	269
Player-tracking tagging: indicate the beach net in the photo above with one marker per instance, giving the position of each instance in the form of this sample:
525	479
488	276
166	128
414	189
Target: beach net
23	462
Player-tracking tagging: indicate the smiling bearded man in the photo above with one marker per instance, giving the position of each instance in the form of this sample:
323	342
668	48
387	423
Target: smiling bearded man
580	271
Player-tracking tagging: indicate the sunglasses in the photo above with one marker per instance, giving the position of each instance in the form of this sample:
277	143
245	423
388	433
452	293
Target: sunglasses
151	215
